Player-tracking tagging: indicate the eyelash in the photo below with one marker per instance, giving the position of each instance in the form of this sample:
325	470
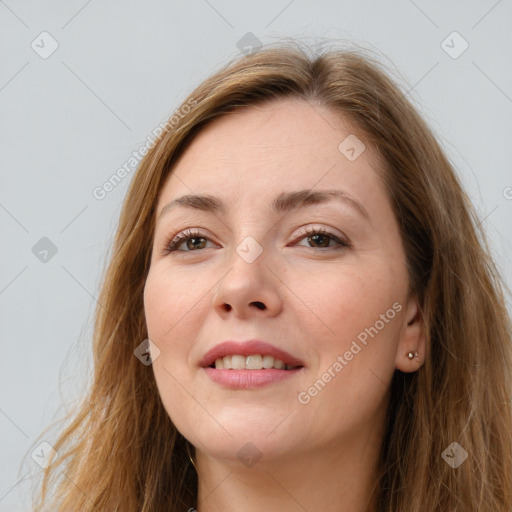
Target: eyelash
172	244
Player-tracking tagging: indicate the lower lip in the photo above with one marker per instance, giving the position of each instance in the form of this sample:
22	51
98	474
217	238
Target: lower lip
248	379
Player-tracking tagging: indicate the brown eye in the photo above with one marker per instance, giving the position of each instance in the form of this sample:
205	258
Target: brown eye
192	240
321	238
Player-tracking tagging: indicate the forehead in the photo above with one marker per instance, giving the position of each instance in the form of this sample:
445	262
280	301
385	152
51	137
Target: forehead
279	145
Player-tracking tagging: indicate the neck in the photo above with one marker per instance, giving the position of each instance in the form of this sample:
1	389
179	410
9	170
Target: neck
335	477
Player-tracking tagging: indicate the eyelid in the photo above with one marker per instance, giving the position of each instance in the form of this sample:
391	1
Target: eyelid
172	243
180	237
316	228
340	239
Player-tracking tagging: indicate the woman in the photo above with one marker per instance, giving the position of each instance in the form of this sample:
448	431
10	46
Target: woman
299	263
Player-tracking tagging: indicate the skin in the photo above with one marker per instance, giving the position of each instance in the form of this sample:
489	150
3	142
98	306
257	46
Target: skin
317	299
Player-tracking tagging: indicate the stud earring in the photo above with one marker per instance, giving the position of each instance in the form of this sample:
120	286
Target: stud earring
412	355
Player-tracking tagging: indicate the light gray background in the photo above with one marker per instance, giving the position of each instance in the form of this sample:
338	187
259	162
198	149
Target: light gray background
122	67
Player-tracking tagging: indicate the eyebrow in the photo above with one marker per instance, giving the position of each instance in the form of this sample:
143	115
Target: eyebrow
283	203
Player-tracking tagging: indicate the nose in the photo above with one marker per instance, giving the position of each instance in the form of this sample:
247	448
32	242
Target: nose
249	288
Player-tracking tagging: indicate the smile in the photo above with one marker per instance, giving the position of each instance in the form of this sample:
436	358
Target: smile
251	362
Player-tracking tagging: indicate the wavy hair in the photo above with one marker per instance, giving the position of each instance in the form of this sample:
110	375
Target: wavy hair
120	451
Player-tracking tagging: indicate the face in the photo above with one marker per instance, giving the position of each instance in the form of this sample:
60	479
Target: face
326	282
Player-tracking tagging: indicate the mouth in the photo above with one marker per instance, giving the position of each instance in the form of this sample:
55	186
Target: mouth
248	365
251	362
249	355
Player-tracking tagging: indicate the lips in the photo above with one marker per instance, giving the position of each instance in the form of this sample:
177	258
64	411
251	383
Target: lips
248	348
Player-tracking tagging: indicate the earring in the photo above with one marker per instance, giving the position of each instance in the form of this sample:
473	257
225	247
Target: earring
190	457
411	355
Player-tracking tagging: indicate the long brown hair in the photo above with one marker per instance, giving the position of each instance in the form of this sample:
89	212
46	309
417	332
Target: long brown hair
121	452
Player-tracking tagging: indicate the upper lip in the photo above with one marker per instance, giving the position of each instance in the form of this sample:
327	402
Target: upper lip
247	348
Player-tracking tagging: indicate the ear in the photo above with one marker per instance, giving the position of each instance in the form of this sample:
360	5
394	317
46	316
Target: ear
412	338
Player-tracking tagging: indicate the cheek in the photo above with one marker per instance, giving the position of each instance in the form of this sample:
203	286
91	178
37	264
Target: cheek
156	301
360	312
348	384
169	300
168	315
165	310
349	300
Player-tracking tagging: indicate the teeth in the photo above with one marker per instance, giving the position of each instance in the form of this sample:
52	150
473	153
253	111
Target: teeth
252	362
237	362
268	362
279	364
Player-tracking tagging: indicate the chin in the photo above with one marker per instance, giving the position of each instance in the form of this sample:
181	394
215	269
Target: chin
246	438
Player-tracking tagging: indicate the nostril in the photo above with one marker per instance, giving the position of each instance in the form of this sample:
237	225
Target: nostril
259	305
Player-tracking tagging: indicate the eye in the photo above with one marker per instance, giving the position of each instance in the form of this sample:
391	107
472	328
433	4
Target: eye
195	237
322	238
318	236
